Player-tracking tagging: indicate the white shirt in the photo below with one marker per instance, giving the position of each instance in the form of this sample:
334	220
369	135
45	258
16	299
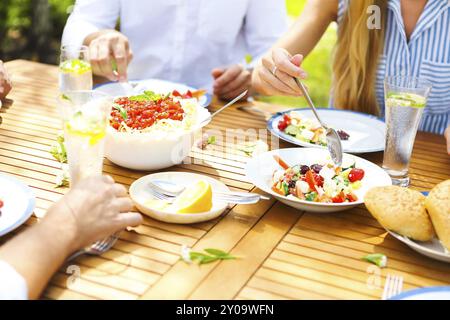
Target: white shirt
183	40
12	284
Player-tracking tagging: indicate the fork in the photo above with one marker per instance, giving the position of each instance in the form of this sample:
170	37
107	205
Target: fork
392	287
226	198
98	248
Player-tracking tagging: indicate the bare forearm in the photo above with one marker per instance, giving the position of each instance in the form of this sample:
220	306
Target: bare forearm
37	253
309	27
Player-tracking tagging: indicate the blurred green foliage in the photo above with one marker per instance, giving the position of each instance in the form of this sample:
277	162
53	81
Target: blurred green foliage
20	22
20	37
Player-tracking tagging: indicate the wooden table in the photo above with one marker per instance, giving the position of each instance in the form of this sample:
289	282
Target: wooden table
286	254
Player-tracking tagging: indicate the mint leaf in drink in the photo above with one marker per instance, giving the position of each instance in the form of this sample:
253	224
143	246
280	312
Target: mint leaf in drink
377	259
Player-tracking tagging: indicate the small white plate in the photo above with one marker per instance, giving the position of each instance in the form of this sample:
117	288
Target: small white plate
260	169
367	132
432	249
140	194
19	203
433	293
115	89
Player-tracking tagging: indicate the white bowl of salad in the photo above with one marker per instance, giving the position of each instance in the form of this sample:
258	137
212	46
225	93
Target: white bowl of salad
152	131
306	179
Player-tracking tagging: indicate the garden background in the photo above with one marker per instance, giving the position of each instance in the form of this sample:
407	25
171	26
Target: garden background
32	29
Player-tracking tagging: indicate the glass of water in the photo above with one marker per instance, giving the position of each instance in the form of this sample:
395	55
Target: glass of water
75	70
85	118
405	101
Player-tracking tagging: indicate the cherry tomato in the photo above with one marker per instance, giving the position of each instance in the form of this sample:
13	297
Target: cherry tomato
287	119
340	198
352	198
1	204
282	125
356	175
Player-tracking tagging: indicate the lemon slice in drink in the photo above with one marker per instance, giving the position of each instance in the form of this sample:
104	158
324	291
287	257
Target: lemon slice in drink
85	127
76	66
195	199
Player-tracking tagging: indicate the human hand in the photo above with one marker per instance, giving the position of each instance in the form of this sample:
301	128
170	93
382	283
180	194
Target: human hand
274	74
5	81
231	82
447	137
93	210
107	48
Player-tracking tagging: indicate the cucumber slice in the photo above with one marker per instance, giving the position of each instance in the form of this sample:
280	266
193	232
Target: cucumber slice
348	164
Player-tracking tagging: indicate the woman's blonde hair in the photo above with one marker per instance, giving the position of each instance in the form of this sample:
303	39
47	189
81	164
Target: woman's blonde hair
356	58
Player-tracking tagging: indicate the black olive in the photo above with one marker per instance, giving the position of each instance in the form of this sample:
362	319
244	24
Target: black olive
316	168
304	169
343	135
292	184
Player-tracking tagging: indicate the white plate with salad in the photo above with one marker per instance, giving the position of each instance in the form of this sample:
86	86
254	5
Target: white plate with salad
306	179
360	133
163	87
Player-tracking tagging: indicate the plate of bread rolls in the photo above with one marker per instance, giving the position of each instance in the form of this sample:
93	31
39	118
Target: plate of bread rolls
421	222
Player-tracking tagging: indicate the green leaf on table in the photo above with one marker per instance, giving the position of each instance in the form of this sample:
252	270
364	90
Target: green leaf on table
377	259
58	150
216	252
212	140
210	255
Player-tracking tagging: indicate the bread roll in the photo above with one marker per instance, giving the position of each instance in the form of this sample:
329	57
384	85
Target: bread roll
438	206
400	210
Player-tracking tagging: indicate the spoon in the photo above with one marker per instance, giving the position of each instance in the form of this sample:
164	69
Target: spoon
334	143
229	104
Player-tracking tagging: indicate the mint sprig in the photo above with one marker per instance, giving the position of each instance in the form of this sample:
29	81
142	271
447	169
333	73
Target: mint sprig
377	259
208	256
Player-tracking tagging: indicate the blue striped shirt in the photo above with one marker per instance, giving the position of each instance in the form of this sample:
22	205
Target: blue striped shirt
426	55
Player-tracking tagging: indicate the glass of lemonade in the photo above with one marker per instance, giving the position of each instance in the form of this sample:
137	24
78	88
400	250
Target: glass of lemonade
85	119
75	70
405	101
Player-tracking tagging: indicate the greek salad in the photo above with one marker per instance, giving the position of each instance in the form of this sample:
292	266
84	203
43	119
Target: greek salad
304	129
324	183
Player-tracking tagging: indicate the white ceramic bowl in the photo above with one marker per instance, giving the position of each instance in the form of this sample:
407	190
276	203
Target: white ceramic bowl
154	150
259	171
140	194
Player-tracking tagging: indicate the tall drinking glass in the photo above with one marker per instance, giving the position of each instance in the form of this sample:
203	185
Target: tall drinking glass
85	119
405	101
75	70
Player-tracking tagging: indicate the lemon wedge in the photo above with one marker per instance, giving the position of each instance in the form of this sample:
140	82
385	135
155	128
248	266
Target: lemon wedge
195	199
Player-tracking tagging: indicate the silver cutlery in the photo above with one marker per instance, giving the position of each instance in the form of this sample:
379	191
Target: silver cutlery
333	140
171	189
231	199
229	104
392	287
98	248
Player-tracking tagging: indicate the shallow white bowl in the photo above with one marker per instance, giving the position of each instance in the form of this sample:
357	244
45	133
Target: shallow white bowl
140	194
154	150
259	171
